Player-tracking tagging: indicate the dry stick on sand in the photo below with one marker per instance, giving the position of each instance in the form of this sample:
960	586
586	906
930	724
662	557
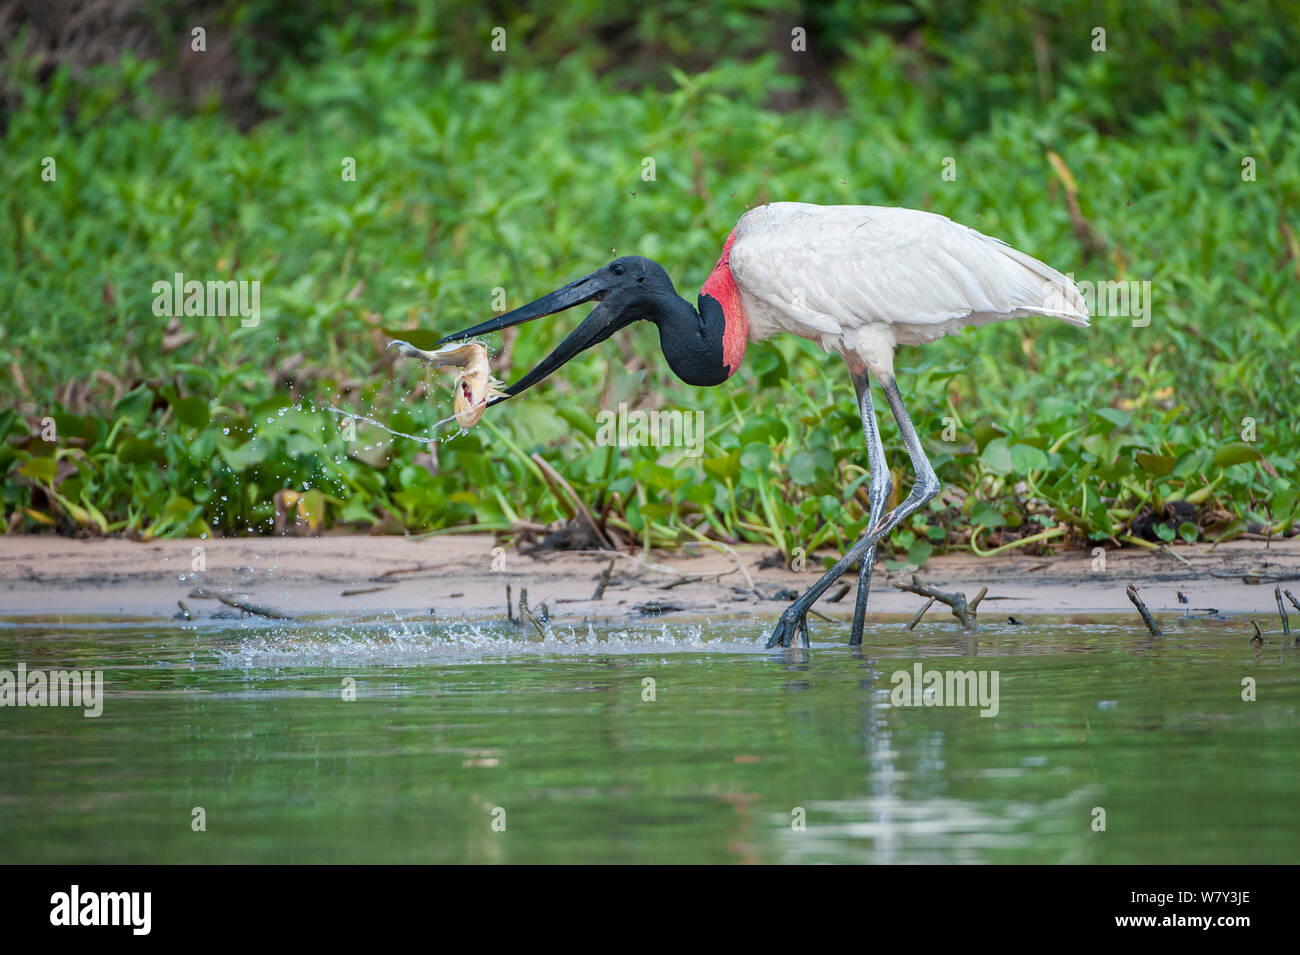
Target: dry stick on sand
1255	577
660	568
1132	593
960	608
666	569
693	579
1291	597
1281	610
657	568
201	593
551	474
719	545
384	578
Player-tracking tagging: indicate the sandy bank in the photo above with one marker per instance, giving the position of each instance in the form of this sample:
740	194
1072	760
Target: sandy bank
459	576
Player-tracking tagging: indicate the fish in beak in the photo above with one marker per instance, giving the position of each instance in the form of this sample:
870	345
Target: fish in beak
474	385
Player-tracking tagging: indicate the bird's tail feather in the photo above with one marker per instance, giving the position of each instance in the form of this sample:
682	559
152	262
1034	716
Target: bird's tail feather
1049	292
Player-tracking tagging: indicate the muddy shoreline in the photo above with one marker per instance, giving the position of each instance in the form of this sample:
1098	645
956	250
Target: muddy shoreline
465	576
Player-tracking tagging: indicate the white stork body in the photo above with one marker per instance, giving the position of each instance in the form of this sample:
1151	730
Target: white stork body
860	280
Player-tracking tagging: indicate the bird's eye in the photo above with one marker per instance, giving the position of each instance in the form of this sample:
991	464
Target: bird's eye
617	268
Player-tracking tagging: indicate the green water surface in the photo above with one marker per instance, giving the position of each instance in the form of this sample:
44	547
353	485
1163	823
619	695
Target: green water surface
473	744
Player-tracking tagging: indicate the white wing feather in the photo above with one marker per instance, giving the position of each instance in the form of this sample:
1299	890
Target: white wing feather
822	271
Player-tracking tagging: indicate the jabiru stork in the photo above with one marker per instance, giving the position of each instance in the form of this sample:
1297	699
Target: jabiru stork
858	280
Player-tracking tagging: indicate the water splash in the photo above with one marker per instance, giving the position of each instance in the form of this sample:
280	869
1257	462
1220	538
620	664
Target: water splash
402	643
425	439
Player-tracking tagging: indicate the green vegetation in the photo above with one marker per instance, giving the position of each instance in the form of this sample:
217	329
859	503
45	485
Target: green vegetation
523	170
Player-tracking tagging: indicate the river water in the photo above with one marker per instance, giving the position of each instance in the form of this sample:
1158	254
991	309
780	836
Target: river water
338	740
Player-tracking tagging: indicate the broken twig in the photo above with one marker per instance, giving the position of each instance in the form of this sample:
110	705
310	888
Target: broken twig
604	581
202	593
960	608
553	478
1133	597
920	613
1281	610
525	612
362	590
1291	597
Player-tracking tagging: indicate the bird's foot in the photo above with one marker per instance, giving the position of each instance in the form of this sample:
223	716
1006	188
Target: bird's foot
789	626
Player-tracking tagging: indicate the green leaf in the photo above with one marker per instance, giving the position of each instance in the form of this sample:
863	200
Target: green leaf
1157	465
702	492
805	468
40	469
582	420
192	412
1236	452
986	432
996	456
1025	458
356	512
1120	419
139	450
756	457
1284	501
241	457
134	406
656	476
919	553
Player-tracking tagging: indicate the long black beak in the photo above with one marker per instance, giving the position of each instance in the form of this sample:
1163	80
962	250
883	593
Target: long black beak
604	320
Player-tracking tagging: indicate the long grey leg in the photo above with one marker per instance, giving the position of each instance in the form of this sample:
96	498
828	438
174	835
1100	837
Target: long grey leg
794	619
927	482
878	492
